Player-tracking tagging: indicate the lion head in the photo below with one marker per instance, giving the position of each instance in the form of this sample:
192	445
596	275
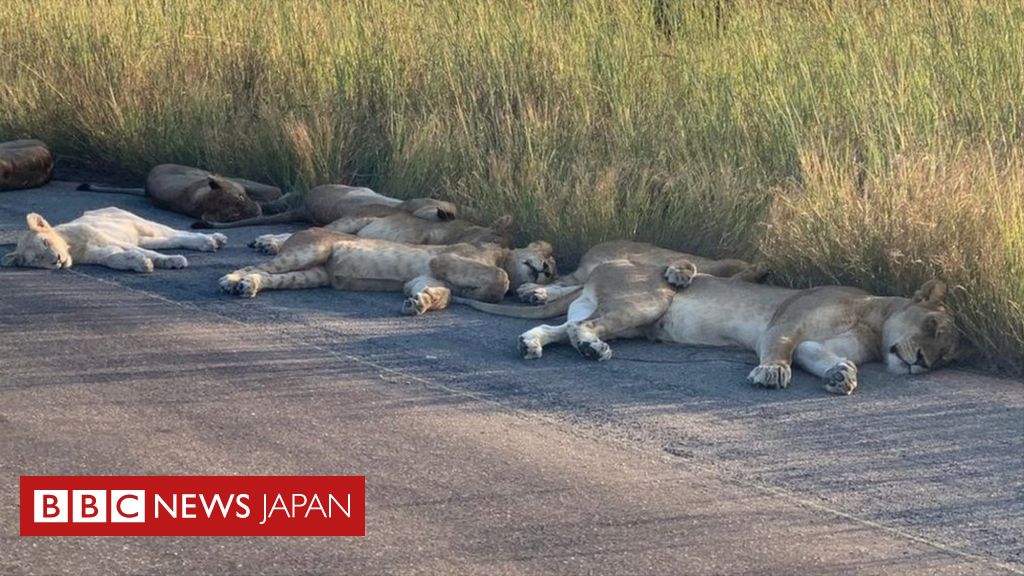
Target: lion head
430	209
533	264
920	335
40	247
227	202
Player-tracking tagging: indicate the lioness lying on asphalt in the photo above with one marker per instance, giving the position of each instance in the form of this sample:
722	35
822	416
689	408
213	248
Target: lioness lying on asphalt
109	237
429	275
325	204
24	164
827	331
197	193
639	253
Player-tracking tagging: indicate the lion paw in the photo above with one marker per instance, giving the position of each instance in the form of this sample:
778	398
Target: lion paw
415	305
249	286
141	263
773	375
239	285
530	348
175	262
841	378
266	244
595	350
229	282
534	294
220	239
680	276
210	243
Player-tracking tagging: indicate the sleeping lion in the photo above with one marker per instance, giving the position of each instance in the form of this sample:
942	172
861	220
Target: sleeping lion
403	227
827	331
200	194
329	202
109	237
429	275
640	253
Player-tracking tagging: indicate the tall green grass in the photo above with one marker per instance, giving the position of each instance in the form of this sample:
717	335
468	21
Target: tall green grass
876	143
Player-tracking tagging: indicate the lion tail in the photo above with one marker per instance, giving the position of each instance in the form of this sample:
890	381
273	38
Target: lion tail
280	218
550	310
86	187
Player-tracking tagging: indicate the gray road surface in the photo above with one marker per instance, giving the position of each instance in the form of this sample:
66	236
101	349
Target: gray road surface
660	461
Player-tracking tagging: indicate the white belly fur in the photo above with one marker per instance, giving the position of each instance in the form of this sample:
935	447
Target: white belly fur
702	315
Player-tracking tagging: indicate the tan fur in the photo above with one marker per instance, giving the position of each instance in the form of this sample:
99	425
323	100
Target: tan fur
24	164
327	203
108	237
205	196
827	331
403	227
638	253
428	274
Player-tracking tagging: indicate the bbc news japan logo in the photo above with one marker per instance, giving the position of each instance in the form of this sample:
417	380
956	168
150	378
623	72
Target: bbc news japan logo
193	505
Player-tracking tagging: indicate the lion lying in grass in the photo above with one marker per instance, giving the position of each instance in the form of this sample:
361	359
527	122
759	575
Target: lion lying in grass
24	164
108	237
827	331
367	214
403	227
639	253
429	275
327	203
200	194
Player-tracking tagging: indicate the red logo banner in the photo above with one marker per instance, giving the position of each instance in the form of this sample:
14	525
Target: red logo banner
193	505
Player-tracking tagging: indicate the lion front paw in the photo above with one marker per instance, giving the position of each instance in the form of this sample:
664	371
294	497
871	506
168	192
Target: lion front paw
772	375
175	262
841	378
414	305
239	285
431	298
679	276
594	350
229	282
266	244
534	294
220	239
249	286
210	243
530	348
140	263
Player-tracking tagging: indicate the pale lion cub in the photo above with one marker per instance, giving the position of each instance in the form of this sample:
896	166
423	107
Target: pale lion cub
108	237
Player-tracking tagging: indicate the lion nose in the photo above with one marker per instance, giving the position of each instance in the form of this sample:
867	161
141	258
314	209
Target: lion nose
892	349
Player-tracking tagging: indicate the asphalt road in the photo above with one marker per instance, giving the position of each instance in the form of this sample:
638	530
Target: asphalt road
662	460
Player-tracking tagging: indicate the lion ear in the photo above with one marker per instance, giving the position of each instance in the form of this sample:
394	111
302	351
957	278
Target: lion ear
214	182
37	223
501	225
541	246
931	293
447	211
10	259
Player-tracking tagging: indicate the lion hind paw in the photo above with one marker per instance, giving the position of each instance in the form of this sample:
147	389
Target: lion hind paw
841	378
774	375
680	276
